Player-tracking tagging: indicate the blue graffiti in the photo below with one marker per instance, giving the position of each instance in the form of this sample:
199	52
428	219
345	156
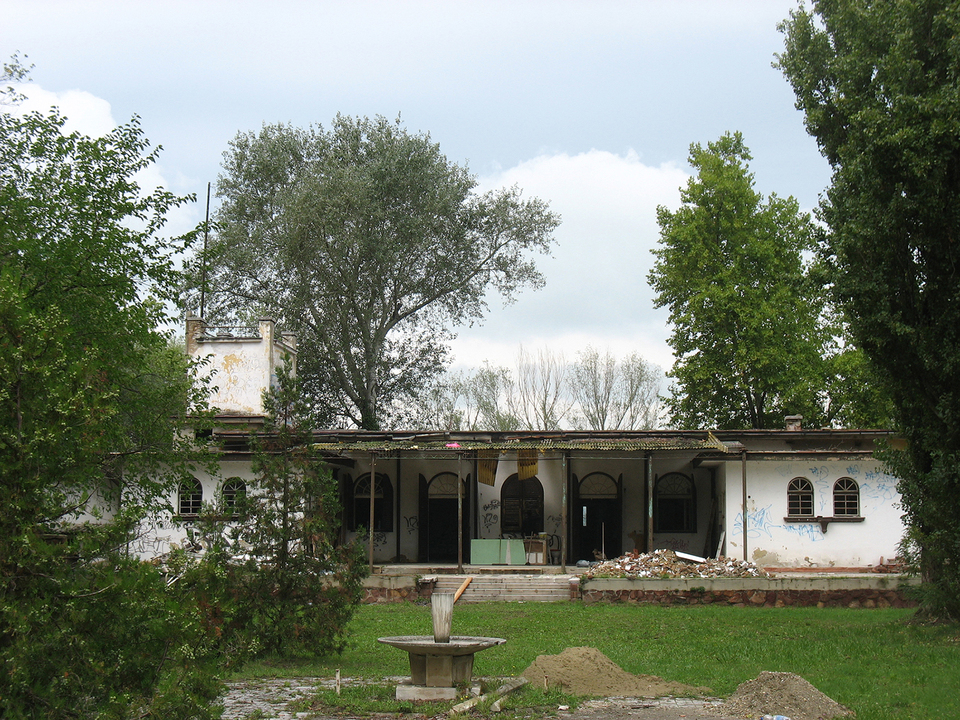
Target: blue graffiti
810	531
758	523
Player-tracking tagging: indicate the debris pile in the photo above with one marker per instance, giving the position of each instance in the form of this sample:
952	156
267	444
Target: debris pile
587	671
669	564
782	693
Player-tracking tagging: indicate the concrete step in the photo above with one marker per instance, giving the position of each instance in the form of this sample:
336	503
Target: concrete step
508	588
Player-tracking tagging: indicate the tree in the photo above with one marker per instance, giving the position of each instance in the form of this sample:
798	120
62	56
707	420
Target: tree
370	244
615	394
545	392
878	84
93	405
746	333
542	397
302	586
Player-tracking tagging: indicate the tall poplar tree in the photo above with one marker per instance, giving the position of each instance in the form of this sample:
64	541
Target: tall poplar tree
879	83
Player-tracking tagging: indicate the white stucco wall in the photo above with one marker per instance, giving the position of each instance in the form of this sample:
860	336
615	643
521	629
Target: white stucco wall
773	542
160	532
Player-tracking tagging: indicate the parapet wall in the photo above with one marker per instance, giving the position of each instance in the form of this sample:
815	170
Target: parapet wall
852	592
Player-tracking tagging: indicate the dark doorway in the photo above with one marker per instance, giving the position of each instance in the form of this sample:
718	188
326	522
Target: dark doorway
521	506
438	513
599	516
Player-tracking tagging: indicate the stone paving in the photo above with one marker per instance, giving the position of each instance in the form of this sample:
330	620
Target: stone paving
268	699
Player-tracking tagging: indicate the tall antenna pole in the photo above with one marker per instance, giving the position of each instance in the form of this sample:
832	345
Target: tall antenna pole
203	271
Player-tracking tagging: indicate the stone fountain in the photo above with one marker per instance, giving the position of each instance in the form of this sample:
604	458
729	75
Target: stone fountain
439	663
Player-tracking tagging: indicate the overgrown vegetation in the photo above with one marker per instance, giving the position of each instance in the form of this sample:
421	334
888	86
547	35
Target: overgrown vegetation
911	674
92	404
274	579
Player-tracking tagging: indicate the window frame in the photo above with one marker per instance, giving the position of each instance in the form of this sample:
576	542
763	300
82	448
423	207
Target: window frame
800	497
846	498
686	502
189	501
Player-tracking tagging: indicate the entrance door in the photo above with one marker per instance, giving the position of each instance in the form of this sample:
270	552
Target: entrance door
599	517
441	519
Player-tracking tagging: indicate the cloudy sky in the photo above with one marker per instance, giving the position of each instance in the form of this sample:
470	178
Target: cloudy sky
589	105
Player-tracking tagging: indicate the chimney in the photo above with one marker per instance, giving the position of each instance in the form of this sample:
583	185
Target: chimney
794	422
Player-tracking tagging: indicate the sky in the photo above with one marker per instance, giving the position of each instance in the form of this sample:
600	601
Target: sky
591	106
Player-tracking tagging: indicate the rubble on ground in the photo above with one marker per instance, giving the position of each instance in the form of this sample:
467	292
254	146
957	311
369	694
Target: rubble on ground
668	564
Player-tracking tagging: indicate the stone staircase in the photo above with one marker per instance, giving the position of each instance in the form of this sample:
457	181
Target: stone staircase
507	588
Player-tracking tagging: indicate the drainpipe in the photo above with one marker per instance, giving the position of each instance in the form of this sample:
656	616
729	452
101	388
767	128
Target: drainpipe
743	492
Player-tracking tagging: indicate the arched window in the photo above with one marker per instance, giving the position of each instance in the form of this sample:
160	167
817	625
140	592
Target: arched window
382	503
598	486
675	504
521	506
846	497
190	498
800	498
234	491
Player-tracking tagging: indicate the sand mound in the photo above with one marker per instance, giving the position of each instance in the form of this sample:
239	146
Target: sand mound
587	671
781	693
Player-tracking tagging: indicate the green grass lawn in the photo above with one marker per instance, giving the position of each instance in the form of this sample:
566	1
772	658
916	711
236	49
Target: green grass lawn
873	661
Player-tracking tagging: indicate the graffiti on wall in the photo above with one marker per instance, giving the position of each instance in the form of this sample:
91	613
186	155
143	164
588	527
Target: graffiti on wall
760	523
674	544
412	523
553	524
489	520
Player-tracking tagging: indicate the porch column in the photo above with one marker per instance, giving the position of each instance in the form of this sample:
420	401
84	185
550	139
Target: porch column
649	458
563	514
460	513
743	492
373	494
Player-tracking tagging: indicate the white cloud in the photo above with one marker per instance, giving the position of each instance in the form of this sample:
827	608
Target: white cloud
90	115
85	113
596	290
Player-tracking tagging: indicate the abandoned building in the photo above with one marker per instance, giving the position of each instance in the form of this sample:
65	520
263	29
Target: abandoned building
791	498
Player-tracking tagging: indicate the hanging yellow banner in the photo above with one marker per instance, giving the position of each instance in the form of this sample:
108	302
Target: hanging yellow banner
487	466
527	463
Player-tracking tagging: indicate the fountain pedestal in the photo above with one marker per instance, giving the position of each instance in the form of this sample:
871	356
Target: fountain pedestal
439	663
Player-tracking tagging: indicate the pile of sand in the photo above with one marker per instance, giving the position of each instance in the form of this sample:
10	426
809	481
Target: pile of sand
587	671
781	693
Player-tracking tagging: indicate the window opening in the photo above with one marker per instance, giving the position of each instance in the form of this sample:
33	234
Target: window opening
234	491
382	503
190	497
846	497
675	502
800	497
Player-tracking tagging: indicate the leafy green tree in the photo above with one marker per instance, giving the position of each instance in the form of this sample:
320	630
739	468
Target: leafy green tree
93	401
878	83
730	267
370	244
